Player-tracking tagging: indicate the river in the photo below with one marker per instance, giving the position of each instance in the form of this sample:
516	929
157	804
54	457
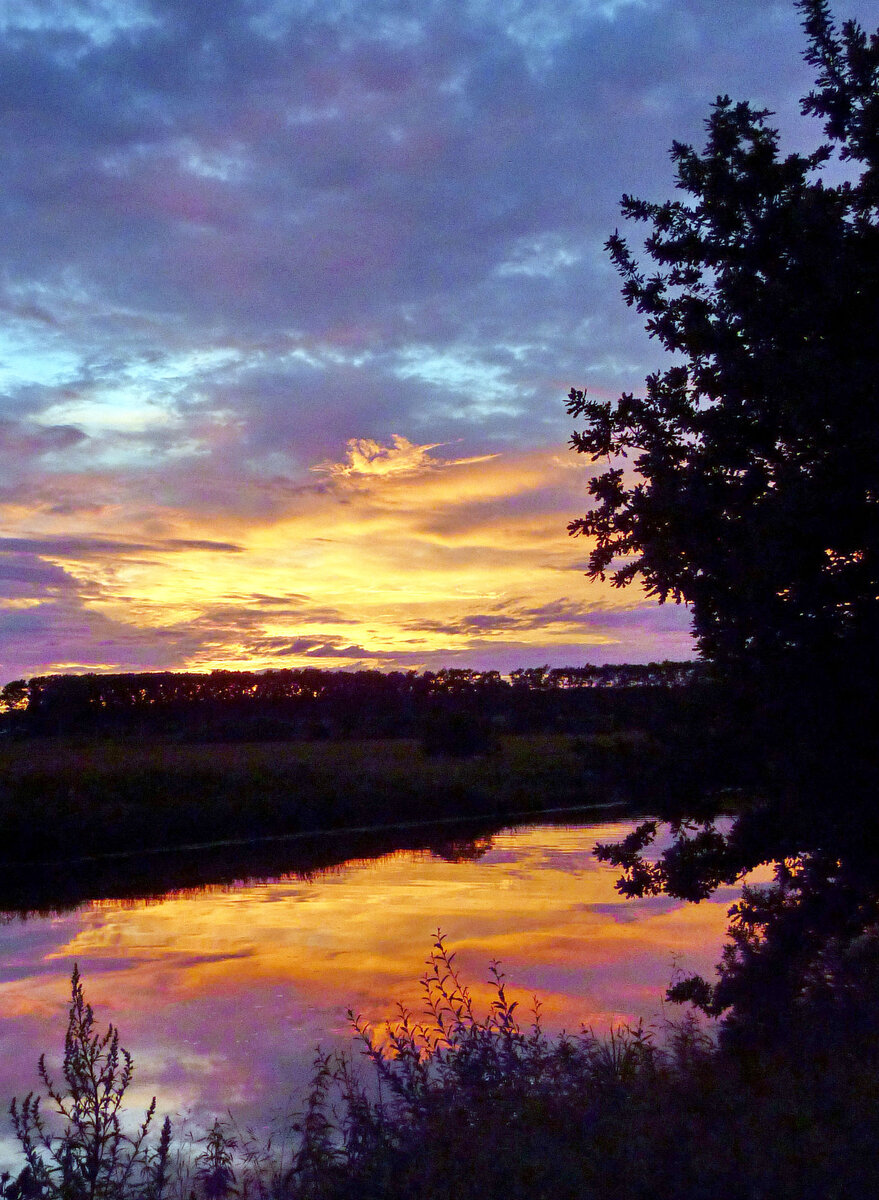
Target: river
221	994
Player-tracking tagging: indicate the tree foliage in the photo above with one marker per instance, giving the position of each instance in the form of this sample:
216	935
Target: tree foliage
745	482
309	703
752	486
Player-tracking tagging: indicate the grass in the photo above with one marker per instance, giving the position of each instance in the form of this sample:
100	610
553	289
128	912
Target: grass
62	798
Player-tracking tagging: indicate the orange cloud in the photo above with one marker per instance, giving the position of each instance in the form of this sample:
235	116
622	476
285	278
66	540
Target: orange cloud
363	456
396	556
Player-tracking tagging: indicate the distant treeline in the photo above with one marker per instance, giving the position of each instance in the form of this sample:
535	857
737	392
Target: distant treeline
312	703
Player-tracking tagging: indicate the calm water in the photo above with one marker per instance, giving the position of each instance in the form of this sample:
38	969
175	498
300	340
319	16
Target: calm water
222	995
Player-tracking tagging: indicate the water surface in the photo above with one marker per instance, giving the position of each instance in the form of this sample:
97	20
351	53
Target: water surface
222	994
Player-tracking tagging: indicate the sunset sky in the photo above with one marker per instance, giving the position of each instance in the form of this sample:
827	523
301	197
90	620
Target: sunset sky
292	295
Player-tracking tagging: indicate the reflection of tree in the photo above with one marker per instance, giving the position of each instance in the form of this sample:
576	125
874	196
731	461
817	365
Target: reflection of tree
809	944
465	849
50	888
756	500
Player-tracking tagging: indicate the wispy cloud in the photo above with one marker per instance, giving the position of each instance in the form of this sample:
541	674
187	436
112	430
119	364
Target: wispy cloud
365	457
401	558
89	547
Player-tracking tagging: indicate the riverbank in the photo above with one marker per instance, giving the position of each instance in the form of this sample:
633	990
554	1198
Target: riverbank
65	799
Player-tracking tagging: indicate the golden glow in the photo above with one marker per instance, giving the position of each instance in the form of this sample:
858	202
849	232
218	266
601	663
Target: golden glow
395	554
244	983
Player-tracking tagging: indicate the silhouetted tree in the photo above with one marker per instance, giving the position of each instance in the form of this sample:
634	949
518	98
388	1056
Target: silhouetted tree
755	490
751	492
280	705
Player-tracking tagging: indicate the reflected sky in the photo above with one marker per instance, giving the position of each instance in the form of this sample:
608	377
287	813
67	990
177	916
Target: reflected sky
222	996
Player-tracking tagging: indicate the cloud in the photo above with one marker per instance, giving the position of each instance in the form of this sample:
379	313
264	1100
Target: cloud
315	647
566	616
27	576
89	547
19	440
365	457
300	288
410	560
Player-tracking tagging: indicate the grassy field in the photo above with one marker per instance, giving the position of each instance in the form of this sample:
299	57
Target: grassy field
62	799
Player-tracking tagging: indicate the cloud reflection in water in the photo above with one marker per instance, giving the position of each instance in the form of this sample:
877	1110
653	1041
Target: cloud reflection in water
223	995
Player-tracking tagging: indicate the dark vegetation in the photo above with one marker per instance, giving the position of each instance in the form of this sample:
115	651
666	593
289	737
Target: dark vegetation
66	800
93	766
311	704
487	1106
754	498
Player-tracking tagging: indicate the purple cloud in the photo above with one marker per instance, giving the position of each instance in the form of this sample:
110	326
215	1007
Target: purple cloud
236	236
